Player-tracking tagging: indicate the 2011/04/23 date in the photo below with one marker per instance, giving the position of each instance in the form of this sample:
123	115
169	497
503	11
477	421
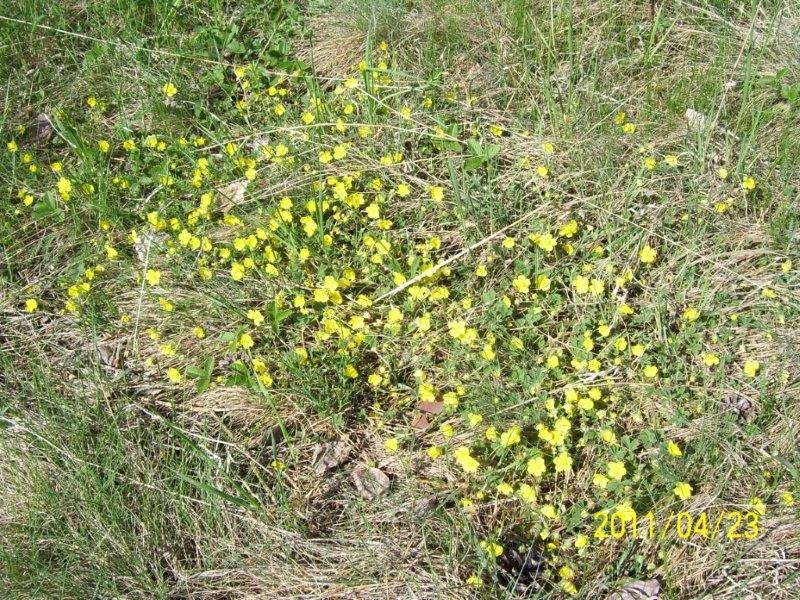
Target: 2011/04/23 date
733	525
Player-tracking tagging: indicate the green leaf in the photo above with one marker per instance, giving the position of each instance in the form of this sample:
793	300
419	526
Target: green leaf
491	151
473	163
47	206
210	489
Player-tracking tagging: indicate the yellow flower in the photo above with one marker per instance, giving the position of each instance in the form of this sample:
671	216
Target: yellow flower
710	359
722	173
237	271
466	461
536	466
671	160
650	371
473	418
508	243
64	187
526	493
391	445
758	505
423	323
474	581
543	283
434	452
549	511
616	470
647	255
748	183
104	146
350	371
12	146
542	171
691	314
255	316
169	90
787	498
246	341
457	329
600	480
682	490
562	463
488	352
505	489
673	449
751	368
581	284
522	284
174	375
629	128
546	242
510	437
31	305
649	163
581	541
427	393
153	277
437	193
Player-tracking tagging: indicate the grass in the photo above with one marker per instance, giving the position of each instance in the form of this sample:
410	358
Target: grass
534	262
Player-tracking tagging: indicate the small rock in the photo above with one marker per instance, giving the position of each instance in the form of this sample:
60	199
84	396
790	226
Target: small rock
42	129
696	120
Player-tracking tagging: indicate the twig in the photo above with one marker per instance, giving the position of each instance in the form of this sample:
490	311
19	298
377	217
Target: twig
452	259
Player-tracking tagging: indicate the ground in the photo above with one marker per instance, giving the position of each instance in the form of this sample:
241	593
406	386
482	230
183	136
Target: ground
399	299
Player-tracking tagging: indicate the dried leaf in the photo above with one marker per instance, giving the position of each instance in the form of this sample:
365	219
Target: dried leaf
420	422
647	589
232	194
330	455
111	352
433	408
370	482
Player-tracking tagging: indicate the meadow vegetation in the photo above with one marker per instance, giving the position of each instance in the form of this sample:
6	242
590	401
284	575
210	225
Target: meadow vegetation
383	298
